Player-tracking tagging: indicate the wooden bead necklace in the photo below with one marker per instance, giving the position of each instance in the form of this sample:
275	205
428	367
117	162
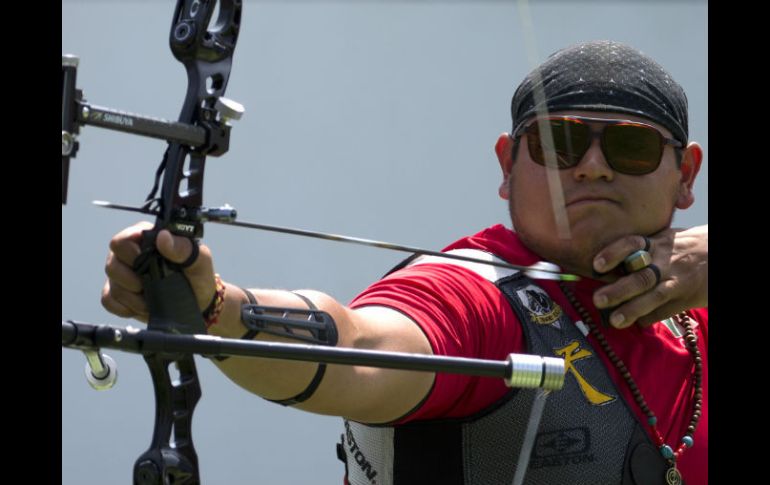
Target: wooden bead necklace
673	477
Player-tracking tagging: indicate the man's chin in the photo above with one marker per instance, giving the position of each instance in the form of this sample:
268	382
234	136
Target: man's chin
563	252
575	254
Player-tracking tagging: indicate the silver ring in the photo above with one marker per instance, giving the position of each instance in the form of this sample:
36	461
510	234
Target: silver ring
637	261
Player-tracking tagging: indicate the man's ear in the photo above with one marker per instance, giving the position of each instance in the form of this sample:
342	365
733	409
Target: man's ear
692	156
503	149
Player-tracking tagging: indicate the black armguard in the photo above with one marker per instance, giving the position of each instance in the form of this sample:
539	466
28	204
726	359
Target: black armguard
282	322
324	332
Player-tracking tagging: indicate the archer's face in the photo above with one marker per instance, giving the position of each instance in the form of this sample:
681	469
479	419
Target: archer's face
580	210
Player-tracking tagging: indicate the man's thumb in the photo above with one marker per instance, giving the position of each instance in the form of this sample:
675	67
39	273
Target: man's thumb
176	249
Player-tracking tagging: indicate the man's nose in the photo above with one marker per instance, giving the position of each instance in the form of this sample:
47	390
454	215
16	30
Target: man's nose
593	165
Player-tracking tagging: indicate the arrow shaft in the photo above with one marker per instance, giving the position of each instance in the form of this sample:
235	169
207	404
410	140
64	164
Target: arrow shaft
362	242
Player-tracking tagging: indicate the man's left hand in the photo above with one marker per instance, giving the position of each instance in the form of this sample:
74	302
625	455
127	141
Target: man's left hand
642	297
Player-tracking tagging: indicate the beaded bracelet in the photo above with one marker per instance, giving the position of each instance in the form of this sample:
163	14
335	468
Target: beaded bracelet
212	312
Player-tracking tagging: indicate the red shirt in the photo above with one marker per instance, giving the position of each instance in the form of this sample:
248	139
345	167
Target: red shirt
465	315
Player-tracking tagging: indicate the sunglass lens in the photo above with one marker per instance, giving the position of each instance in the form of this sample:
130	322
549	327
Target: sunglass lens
632	149
565	143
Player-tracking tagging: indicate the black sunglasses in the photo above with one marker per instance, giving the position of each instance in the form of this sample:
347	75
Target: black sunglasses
630	147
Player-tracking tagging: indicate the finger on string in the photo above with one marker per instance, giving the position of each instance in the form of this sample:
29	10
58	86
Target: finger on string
628	313
612	256
627	288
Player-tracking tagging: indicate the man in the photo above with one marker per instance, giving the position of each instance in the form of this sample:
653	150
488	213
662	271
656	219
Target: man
596	163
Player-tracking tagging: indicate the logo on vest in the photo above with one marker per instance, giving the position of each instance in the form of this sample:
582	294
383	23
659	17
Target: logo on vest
542	310
571	353
568	446
358	456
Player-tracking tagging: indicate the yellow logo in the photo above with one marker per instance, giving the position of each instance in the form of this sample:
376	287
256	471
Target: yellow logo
571	353
548	318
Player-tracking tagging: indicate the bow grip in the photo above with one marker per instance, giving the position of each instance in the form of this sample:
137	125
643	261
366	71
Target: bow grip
170	298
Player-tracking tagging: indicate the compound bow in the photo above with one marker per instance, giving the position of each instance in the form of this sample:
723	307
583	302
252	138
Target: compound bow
206	50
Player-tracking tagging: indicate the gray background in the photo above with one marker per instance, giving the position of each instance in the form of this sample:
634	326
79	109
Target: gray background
374	119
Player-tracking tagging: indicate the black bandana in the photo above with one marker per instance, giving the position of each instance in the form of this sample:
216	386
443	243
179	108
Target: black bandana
603	76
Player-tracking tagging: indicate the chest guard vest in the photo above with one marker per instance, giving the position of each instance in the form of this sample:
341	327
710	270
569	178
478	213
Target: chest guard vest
587	436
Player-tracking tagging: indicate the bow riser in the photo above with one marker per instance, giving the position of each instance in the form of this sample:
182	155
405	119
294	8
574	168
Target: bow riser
173	307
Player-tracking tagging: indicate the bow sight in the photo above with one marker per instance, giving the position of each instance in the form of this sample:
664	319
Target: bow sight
202	128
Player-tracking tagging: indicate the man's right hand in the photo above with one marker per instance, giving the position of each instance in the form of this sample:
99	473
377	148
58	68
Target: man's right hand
363	394
123	293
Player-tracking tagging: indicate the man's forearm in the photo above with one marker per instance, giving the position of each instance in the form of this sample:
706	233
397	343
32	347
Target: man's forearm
269	378
361	393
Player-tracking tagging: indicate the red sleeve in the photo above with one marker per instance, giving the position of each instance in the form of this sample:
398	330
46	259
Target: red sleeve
463	315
